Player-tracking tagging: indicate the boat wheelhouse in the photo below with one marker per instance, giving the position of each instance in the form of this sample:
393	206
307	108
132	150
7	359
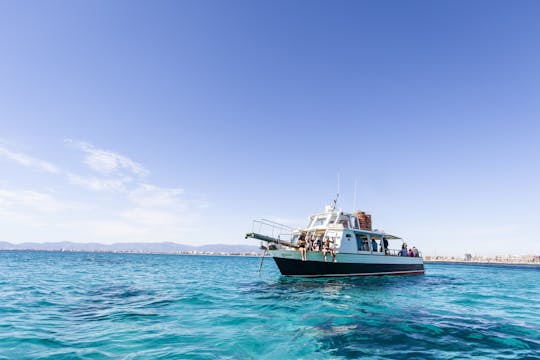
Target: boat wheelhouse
336	243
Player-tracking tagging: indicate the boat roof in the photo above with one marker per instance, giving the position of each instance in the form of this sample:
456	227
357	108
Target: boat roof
380	233
338	212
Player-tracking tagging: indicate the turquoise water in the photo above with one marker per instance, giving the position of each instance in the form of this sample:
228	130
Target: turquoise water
121	306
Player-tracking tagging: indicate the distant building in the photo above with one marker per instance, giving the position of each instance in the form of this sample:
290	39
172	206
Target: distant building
468	257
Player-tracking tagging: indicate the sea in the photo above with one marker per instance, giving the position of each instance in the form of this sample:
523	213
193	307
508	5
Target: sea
60	305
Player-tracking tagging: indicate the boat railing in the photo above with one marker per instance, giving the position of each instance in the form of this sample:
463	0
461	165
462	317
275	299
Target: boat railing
272	229
395	252
392	252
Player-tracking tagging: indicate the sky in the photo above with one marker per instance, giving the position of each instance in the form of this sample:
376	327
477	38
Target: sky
183	121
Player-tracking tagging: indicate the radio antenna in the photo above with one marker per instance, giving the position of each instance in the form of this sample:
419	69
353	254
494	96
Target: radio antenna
337	195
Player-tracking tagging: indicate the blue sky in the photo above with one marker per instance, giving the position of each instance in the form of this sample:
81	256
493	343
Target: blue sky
183	121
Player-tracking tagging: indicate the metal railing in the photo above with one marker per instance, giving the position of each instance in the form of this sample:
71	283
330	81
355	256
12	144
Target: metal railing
272	229
395	252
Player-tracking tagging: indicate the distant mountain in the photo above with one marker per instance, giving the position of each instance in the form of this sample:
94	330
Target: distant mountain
161	247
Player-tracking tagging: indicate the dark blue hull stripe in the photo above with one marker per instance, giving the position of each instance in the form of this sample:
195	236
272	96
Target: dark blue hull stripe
293	267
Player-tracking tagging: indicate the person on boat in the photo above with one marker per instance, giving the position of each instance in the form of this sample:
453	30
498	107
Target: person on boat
410	252
415	251
302	246
318	243
365	244
327	248
313	243
403	251
385	245
308	241
374	245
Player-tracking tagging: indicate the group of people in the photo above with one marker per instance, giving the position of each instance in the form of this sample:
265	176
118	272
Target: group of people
318	242
313	242
411	252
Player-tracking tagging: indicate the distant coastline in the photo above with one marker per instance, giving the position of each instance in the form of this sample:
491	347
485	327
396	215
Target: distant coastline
234	250
136	248
463	262
187	253
485	260
255	254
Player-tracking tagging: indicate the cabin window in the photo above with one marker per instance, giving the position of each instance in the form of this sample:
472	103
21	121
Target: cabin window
319	221
333	218
344	222
362	242
354	222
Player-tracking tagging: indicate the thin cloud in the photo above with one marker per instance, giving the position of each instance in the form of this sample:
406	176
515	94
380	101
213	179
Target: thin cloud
147	195
33	201
130	210
28	161
152	217
99	184
166	207
106	161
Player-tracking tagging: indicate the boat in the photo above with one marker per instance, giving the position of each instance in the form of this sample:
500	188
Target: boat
334	244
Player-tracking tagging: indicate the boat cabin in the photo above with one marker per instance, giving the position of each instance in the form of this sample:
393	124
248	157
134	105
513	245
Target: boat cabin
329	217
345	233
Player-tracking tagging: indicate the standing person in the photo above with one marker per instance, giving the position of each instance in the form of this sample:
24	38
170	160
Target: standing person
374	245
415	251
385	243
410	252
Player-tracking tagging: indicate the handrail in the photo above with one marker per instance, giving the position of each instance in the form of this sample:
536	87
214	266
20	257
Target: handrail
269	239
276	223
270	228
395	252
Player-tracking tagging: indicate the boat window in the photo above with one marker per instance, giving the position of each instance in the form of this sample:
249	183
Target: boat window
354	222
344	221
362	242
319	221
333	218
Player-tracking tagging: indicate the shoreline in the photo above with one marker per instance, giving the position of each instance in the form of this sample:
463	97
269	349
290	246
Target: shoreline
462	262
135	252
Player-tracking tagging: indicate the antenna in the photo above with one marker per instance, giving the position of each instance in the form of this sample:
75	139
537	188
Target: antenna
335	202
337	195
